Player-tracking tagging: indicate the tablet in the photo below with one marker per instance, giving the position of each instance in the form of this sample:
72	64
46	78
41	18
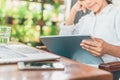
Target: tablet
69	46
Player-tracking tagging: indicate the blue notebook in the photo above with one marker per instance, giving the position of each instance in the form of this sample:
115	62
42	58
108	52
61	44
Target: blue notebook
69	46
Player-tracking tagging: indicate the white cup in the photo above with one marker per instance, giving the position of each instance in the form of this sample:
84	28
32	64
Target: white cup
5	35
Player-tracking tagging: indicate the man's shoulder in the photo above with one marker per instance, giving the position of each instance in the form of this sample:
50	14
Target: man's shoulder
116	8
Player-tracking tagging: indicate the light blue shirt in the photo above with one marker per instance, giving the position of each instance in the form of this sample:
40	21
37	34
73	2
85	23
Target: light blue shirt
105	25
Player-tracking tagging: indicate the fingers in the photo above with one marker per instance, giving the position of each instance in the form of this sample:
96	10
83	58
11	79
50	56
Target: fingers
83	9
94	53
93	47
90	43
82	6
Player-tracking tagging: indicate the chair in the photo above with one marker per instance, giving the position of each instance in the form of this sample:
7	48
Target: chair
113	67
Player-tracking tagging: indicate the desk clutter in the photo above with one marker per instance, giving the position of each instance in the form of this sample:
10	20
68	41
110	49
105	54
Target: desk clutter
29	58
42	65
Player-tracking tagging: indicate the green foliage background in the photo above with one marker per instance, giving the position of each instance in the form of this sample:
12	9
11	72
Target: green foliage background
24	21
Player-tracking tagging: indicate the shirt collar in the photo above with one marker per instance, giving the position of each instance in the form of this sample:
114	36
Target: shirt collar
105	10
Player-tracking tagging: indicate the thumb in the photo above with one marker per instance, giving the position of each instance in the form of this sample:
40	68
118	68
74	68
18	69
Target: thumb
84	10
84	7
96	39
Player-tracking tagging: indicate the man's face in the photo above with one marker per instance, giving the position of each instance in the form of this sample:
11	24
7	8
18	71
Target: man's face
94	5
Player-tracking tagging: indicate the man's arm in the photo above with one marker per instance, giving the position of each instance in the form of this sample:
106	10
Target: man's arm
99	47
79	5
113	50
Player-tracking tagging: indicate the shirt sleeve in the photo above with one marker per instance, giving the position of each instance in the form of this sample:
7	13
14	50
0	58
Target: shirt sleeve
71	29
66	30
117	23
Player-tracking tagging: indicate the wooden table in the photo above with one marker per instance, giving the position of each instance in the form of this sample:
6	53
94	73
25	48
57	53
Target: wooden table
73	71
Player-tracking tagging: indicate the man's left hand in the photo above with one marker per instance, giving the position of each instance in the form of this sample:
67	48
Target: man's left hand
95	46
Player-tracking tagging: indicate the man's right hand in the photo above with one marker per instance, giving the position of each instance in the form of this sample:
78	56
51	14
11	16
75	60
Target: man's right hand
78	6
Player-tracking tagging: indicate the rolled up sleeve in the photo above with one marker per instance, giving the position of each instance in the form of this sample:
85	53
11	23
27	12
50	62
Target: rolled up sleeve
71	29
66	30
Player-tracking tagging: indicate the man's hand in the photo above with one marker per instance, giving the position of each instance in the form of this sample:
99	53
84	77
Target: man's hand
78	6
95	46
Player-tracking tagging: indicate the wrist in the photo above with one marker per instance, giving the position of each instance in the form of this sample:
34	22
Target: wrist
74	10
106	47
71	17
